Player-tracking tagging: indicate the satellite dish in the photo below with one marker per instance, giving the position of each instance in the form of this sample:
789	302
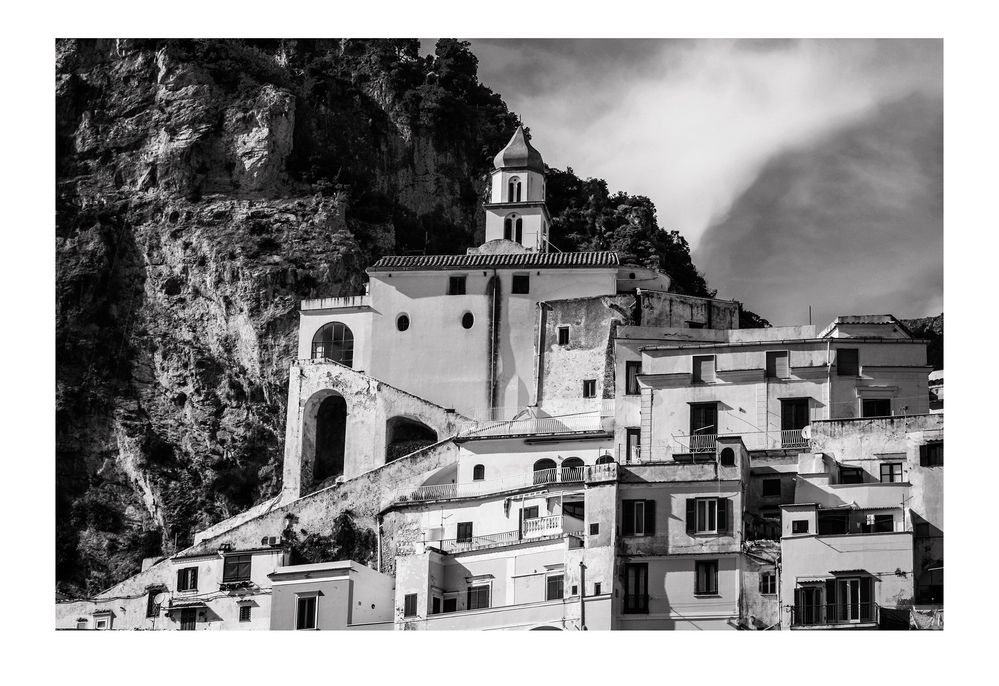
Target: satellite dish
160	598
806	432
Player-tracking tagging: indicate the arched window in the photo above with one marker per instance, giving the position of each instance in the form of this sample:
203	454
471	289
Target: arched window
334	342
605	459
478	472
508	226
520	230
572	469
513	190
727	457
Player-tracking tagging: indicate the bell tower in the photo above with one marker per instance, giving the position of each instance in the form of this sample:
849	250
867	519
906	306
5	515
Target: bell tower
516	209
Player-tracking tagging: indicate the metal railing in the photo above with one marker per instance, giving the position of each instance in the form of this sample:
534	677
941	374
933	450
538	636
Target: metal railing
553	475
834	614
539	426
458	545
753	440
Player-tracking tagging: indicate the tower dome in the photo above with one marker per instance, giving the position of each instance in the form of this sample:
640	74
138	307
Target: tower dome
519	154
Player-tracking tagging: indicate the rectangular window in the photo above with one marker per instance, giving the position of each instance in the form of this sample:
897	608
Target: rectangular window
244	612
521	284
777	366
478	597
703	422
563	335
707	577
456	285
187	579
594	528
883	523
708	516
695	325
590	388
891	472
555	589
638	517
633	436
451	604
597	588
851	475
435	606
799	526
305	612
847	362
409	605
768	583
931	454
703	367
636	588
236	568
875	407
464	532
631	372
771	488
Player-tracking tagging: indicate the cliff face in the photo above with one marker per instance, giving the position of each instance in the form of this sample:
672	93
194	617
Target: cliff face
203	188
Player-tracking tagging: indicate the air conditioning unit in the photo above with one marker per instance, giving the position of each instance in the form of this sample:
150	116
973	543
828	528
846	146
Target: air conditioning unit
270	540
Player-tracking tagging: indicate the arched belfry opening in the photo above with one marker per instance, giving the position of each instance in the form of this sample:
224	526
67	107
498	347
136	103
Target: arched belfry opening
404	436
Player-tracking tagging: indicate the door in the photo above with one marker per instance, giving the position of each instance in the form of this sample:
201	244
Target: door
809	605
188	619
527	513
703	427
848	594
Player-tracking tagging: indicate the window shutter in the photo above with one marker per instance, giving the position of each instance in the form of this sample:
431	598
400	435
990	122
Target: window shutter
650	517
781	370
180	580
194	578
628	518
830	593
691	515
724	525
922	455
763	576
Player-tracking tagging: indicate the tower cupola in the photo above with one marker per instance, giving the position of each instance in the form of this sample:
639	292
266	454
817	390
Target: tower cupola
516	209
519	154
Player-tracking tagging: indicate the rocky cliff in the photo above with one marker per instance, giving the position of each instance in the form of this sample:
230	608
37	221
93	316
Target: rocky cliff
203	188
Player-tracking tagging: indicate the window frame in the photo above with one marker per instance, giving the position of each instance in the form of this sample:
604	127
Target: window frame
589	388
633	439
312	597
474	590
632	370
238	561
710	513
776	355
770	481
768	582
799	526
479	472
520	284
558	577
641	577
458	532
563	339
710	575
853	368
853	472
245	613
892	472
864	403
189	575
697	371
457	284
931	454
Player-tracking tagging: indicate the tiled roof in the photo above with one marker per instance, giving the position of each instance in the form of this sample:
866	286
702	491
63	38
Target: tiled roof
532	260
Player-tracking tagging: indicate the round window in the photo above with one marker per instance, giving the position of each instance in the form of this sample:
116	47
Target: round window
402	322
467	320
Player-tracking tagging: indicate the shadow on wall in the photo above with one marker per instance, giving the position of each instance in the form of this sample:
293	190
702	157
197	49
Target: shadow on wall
404	436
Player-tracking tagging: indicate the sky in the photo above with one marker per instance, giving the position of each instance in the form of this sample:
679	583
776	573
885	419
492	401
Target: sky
802	172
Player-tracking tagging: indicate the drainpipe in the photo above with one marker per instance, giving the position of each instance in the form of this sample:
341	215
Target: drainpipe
582	595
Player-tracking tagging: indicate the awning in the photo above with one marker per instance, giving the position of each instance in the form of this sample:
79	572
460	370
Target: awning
853	572
812	579
192	605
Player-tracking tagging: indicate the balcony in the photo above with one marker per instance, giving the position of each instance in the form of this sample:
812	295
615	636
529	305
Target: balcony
753	440
555	475
537	528
540	426
841	615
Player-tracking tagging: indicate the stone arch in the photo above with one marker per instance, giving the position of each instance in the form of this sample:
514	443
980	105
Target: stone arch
544	471
605	459
334	341
404	435
324	436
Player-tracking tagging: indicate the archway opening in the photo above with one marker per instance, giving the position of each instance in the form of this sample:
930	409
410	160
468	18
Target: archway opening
404	436
545	471
605	459
572	469
331	434
335	342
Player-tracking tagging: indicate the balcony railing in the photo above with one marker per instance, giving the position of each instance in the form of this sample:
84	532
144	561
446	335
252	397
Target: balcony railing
543	526
835	614
554	475
458	545
753	440
540	426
